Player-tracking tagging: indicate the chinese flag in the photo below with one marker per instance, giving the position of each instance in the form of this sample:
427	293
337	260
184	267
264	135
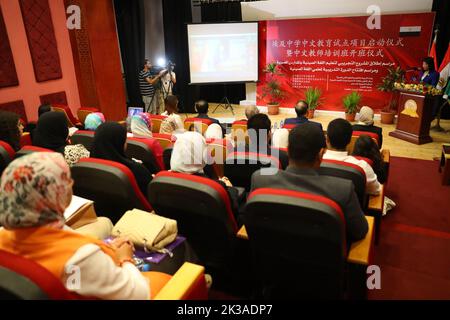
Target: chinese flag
433	51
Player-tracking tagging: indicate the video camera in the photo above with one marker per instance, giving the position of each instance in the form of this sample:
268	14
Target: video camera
170	66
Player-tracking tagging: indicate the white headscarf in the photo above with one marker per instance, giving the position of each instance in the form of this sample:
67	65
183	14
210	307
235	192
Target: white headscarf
366	116
189	153
280	138
214	131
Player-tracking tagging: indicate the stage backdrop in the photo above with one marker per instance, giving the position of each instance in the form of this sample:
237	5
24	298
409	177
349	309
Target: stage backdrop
340	55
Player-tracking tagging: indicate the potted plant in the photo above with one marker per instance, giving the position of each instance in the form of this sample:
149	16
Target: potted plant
394	75
351	102
272	88
312	98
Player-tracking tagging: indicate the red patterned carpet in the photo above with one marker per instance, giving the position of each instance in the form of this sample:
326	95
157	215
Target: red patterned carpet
414	249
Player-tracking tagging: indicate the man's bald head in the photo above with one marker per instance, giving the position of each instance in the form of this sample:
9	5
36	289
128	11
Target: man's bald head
250	111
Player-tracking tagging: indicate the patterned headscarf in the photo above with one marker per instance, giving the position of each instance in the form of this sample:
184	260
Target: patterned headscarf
141	125
366	116
35	191
93	120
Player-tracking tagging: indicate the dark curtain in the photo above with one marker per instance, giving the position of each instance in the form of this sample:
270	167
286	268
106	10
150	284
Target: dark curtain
221	12
130	20
177	14
442	21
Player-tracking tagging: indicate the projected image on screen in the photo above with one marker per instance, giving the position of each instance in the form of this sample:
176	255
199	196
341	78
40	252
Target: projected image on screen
225	52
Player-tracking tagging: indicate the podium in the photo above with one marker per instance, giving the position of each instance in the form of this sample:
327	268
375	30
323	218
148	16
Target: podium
414	117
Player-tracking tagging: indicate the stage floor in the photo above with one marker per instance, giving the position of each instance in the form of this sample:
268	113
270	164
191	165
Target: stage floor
397	147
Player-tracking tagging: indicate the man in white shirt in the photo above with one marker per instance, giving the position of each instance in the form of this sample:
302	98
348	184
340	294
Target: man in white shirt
339	134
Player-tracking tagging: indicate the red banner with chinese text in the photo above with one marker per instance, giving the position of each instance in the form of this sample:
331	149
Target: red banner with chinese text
340	55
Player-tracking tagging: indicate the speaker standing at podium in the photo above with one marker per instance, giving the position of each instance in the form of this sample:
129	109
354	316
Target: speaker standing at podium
428	75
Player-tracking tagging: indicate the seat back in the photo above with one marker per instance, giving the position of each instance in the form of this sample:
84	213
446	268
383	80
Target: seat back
202	209
84	137
348	171
289	126
156	122
369	161
23	279
71	120
165	140
167	154
298	244
25	139
83	112
111	185
7	154
30	149
142	149
204	123
239	166
239	131
218	149
356	135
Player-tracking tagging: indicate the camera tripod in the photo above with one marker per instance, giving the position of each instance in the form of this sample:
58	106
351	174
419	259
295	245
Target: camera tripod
225	103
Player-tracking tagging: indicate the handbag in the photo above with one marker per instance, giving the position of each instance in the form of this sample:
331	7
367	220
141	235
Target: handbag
147	230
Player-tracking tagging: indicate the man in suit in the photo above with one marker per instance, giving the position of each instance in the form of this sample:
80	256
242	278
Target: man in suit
202	107
306	148
301	109
339	135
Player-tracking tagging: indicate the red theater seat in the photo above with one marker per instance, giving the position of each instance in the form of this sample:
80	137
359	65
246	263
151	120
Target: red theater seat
84	137
111	185
23	279
356	135
156	121
203	210
239	166
289	126
30	149
369	161
165	140
298	244
203	122
219	149
7	154
71	120
348	171
149	151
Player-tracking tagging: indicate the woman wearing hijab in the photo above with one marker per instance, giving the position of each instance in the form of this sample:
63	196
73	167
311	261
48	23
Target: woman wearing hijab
93	121
280	138
214	131
11	129
52	133
189	155
110	144
365	123
141	125
35	190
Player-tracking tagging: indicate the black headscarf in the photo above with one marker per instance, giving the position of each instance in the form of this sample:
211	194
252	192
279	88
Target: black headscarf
109	141
51	131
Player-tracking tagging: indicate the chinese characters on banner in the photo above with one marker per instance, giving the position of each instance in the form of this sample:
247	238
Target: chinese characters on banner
340	55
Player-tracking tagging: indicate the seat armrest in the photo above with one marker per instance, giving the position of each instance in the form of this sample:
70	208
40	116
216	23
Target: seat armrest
188	283
242	233
360	251
376	203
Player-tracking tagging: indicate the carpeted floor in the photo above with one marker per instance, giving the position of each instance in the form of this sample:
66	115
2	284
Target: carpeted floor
414	249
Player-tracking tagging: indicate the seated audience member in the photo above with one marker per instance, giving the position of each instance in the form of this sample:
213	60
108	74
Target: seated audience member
202	107
173	123
43	108
93	121
189	155
214	131
365	123
141	125
11	129
339	134
258	128
367	148
306	148
250	111
52	133
301	109
110	144
32	214
280	138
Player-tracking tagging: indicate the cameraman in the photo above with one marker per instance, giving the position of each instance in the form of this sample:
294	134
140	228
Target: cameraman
168	80
148	84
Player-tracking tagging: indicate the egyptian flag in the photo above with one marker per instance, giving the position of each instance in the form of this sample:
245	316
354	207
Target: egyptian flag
444	69
433	51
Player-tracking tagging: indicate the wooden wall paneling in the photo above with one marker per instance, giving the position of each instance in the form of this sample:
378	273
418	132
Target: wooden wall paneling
8	74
